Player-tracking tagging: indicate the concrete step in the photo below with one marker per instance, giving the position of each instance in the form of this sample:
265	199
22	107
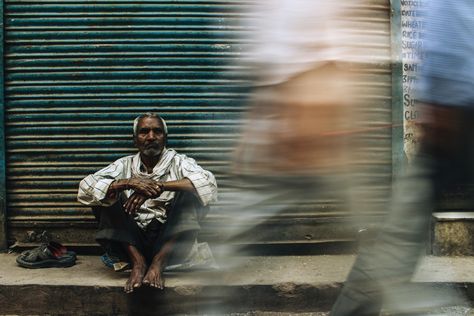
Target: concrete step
452	234
278	285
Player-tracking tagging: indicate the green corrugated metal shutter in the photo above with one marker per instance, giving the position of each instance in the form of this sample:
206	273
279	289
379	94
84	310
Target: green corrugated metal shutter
372	20
78	72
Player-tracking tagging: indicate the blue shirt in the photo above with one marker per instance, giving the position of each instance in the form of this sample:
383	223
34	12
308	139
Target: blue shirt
447	72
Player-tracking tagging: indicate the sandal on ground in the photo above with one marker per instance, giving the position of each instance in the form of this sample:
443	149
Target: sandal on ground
50	255
56	248
62	249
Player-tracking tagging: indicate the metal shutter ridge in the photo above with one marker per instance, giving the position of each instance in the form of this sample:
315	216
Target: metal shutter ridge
78	72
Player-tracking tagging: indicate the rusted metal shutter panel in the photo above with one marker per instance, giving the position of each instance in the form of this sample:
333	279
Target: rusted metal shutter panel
78	72
366	22
321	222
371	20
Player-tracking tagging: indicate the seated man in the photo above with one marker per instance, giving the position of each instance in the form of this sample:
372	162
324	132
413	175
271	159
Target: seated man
148	205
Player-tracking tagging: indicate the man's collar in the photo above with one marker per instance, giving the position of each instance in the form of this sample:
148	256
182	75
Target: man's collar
161	166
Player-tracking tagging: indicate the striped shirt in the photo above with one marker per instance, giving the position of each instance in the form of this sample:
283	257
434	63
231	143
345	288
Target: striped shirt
171	167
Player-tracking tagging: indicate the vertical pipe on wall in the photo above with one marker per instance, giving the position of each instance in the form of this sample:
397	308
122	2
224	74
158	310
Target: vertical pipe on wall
3	216
397	89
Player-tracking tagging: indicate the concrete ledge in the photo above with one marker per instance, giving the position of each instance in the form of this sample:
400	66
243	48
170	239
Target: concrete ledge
452	234
89	288
294	284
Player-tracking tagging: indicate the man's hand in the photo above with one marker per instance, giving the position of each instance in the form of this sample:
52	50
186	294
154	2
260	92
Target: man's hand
132	205
145	187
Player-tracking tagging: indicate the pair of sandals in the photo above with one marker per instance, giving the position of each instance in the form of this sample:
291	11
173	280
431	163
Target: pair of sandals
47	255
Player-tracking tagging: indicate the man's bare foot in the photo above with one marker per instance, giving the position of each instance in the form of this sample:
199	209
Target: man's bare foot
136	278
154	277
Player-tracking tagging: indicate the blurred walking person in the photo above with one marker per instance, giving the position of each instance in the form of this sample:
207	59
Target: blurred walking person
445	92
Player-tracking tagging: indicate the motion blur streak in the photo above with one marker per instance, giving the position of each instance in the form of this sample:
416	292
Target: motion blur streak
320	108
305	131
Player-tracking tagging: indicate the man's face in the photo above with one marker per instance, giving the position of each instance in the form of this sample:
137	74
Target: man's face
150	139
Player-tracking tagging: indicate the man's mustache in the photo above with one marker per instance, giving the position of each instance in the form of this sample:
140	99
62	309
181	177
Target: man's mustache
153	144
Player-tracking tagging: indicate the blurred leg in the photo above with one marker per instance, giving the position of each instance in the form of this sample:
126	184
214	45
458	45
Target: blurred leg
392	259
